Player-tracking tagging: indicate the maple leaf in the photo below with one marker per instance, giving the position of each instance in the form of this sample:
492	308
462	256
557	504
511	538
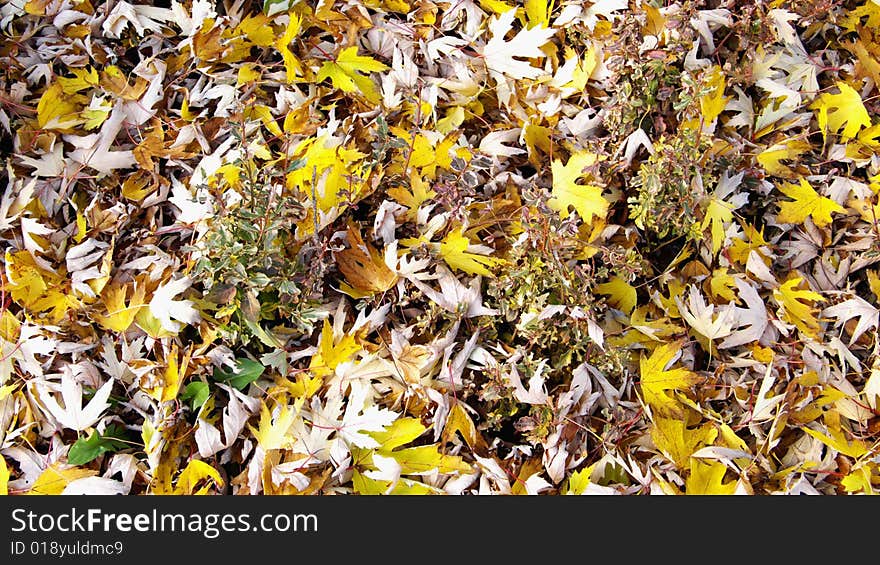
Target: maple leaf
869	317
331	352
363	267
119	317
701	317
622	295
750	322
272	431
345	72
711	105
55	478
655	379
73	415
501	55
587	200
171	313
807	202
454	250
794	311
708	478
677	441
843	110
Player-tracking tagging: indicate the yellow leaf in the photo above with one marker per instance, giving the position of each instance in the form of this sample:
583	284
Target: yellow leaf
174	374
37	290
874	283
721	285
119	317
587	200
454	117
330	355
794	311
195	472
807	202
263	113
711	105
538	12
54	479
677	442
426	459
860	480
82	79
621	294
836	438
578	481
400	432
584	69
292	66
841	111
454	250
656	379
4	477
247	73
418	193
459	421
258	31
345	75
272	433
771	157
55	109
740	249
708	478
718	213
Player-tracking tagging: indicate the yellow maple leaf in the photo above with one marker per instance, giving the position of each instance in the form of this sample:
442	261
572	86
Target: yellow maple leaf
621	294
807	202
330	354
345	73
708	478
713	104
119	317
721	285
678	442
292	66
363	268
38	290
4	477
54	479
789	296
82	79
454	250
418	193
718	213
194	473
844	110
656	379
771	157
56	110
587	199
271	433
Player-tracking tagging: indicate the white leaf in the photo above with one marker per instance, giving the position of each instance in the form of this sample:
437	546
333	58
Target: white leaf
500	54
73	415
701	317
751	321
869	317
94	485
493	143
163	308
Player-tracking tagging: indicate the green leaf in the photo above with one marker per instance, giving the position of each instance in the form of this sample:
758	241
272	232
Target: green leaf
246	372
197	393
87	450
